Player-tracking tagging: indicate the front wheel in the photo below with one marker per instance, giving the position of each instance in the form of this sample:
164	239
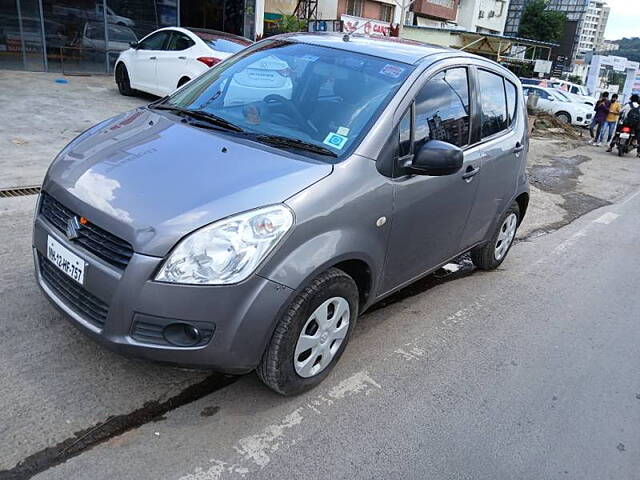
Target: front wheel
311	335
490	255
563	117
122	80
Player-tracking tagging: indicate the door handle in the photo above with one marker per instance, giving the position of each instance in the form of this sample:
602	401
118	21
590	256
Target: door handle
518	148
153	58
470	172
182	58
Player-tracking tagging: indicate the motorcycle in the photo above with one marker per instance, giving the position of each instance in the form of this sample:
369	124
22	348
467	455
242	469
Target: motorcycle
626	141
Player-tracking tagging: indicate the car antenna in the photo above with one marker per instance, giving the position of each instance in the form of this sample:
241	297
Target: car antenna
347	35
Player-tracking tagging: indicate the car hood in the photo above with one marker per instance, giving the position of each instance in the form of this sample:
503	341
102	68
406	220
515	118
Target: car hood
151	179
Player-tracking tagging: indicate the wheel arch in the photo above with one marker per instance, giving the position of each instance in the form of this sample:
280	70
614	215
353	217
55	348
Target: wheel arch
183	79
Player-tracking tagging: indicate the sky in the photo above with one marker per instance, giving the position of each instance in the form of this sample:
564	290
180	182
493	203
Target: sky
624	19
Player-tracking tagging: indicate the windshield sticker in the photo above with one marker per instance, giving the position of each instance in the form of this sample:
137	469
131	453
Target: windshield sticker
344	131
309	58
392	71
335	140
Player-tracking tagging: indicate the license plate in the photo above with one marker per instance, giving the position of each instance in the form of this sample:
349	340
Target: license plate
67	261
624	135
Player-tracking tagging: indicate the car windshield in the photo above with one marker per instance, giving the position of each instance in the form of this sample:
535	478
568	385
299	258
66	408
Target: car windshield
561	96
318	95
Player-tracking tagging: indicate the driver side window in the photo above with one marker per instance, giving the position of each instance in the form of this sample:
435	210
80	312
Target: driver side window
442	109
154	42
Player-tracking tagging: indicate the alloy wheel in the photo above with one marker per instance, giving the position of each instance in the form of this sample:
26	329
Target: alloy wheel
321	337
506	235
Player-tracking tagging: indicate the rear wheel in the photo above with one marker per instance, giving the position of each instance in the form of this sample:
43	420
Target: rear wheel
490	255
122	80
311	335
182	81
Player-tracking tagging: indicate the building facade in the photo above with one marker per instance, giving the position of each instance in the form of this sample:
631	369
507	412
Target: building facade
575	10
483	16
435	13
86	36
593	27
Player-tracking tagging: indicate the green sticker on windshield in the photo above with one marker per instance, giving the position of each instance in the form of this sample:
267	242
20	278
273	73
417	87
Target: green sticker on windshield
335	140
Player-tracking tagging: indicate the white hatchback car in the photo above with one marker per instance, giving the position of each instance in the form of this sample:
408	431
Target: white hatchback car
557	103
170	57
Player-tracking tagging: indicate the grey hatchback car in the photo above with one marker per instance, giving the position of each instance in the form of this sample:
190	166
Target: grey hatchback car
246	220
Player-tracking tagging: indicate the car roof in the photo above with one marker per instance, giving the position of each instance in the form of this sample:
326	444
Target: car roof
392	48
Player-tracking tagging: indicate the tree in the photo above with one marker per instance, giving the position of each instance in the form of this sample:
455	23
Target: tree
538	23
577	79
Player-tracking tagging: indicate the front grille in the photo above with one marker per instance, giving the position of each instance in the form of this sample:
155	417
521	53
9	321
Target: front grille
88	305
101	243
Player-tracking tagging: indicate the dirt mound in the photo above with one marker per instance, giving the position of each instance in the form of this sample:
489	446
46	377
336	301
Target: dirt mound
545	125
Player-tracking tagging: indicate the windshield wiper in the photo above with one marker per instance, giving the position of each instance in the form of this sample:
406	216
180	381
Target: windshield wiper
200	115
280	141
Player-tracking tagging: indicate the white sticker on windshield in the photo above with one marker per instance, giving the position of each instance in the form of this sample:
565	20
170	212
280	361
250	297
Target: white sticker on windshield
392	71
343	131
309	58
335	140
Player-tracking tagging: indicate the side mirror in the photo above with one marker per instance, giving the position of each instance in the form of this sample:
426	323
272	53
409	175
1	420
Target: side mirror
133	45
437	158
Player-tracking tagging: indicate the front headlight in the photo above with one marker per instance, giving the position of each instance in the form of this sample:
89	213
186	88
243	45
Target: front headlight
227	251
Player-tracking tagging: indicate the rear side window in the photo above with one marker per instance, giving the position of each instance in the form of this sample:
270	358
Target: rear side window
512	100
442	109
493	113
179	41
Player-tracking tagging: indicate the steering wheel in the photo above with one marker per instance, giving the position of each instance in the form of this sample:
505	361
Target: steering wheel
274	100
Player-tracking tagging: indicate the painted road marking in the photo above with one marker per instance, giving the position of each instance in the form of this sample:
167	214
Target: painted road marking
606	218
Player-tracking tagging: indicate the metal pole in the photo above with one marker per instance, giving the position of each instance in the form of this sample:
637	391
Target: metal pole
106	37
44	37
22	45
178	13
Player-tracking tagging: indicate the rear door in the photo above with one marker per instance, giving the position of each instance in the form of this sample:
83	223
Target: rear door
173	62
430	212
500	141
145	62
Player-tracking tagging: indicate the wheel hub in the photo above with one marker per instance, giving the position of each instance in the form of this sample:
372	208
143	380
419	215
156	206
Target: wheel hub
321	337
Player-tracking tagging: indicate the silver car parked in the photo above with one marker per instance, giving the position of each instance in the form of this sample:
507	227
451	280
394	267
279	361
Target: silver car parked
251	234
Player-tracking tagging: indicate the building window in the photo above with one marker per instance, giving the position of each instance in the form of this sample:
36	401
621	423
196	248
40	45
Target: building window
386	12
354	7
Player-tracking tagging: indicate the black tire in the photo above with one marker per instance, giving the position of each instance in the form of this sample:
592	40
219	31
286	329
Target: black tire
276	369
621	151
564	117
484	256
182	81
122	80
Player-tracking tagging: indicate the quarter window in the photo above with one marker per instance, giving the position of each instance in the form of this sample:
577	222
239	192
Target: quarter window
512	99
493	113
442	109
404	130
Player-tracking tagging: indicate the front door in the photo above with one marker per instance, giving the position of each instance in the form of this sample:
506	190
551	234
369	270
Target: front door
144	65
430	212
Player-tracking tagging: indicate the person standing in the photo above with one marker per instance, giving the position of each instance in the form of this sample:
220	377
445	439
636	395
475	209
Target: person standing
630	117
609	126
593	120
602	110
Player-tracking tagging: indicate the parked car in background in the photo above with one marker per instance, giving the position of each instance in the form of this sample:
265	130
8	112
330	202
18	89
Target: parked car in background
170	57
120	37
95	14
578	91
251	234
557	103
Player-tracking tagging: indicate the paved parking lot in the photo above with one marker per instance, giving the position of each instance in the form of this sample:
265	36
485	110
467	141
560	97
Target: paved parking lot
57	386
39	117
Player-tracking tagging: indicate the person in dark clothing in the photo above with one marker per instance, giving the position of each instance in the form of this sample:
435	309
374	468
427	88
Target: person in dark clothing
629	117
602	110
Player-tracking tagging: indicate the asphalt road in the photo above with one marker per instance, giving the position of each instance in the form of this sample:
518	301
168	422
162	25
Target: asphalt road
528	372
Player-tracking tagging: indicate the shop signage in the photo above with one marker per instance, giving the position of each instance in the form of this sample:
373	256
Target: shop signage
365	26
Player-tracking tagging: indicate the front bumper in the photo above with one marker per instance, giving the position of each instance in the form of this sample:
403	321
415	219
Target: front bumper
240	317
